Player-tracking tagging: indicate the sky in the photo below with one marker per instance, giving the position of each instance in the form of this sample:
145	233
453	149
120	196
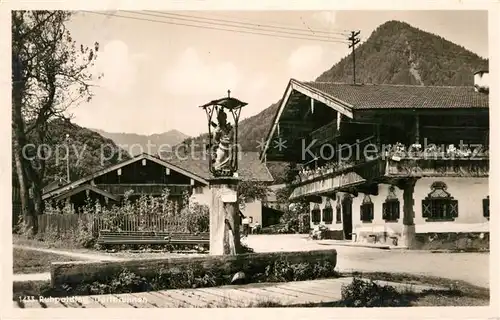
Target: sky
156	74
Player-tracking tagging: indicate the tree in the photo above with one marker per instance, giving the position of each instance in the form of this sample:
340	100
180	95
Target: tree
251	190
49	74
294	210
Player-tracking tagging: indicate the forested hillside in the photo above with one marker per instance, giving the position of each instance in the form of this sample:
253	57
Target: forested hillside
395	53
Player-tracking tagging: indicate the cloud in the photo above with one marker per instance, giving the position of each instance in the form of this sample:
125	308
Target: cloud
305	62
325	18
192	76
257	84
118	65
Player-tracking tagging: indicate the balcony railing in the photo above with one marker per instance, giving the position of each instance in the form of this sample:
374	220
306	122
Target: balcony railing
326	133
396	153
120	189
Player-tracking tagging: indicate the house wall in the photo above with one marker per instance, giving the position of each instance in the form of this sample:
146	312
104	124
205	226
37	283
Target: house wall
469	192
143	171
336	229
253	209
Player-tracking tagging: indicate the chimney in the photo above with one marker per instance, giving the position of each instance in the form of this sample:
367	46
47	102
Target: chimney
481	82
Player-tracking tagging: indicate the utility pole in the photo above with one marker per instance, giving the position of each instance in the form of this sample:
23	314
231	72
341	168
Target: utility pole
354	41
67	158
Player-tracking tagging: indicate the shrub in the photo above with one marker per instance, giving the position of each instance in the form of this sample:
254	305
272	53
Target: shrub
361	293
283	270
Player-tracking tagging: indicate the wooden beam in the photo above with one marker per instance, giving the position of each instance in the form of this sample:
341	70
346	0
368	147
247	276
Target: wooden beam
408	232
314	199
284	102
371	189
322	97
417	129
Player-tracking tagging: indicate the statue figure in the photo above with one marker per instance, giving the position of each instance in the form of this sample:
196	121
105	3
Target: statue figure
221	158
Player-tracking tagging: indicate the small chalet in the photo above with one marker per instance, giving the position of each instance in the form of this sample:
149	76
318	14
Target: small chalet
151	175
394	164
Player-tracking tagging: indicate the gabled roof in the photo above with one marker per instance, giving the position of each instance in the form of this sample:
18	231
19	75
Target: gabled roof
121	165
54	184
250	168
314	93
346	99
86	187
370	96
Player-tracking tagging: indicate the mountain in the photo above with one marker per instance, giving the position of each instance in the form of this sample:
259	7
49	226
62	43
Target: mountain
136	143
395	53
88	152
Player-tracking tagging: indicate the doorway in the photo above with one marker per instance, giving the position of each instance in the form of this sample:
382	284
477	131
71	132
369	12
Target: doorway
347	216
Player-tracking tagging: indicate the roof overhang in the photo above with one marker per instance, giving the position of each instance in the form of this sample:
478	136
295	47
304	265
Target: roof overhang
314	94
121	165
85	187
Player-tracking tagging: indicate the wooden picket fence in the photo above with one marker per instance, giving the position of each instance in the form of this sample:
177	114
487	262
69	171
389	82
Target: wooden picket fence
68	223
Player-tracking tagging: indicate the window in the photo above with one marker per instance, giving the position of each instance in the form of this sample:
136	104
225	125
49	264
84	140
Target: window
198	190
439	205
366	209
328	213
391	206
486	207
316	214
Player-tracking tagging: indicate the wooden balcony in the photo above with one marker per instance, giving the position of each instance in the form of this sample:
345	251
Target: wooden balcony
390	170
147	189
325	134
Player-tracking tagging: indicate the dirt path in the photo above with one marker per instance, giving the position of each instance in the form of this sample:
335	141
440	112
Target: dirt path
74	255
31	277
470	267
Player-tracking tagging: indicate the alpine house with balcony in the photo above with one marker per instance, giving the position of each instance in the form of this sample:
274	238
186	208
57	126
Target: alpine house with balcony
391	164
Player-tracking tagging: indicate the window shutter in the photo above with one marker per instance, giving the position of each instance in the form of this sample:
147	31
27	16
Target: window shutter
385	212
486	207
361	213
397	208
426	208
371	211
453	207
339	214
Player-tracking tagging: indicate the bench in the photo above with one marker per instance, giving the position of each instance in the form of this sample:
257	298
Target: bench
107	237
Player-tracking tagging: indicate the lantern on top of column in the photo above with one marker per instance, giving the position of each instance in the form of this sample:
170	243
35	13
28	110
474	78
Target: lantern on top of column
223	135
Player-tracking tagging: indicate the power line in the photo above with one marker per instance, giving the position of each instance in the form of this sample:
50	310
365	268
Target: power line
310	38
236	26
217	14
260	25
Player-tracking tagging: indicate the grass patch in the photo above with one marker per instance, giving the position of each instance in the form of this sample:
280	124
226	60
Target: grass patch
30	261
22	289
45	243
455	285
